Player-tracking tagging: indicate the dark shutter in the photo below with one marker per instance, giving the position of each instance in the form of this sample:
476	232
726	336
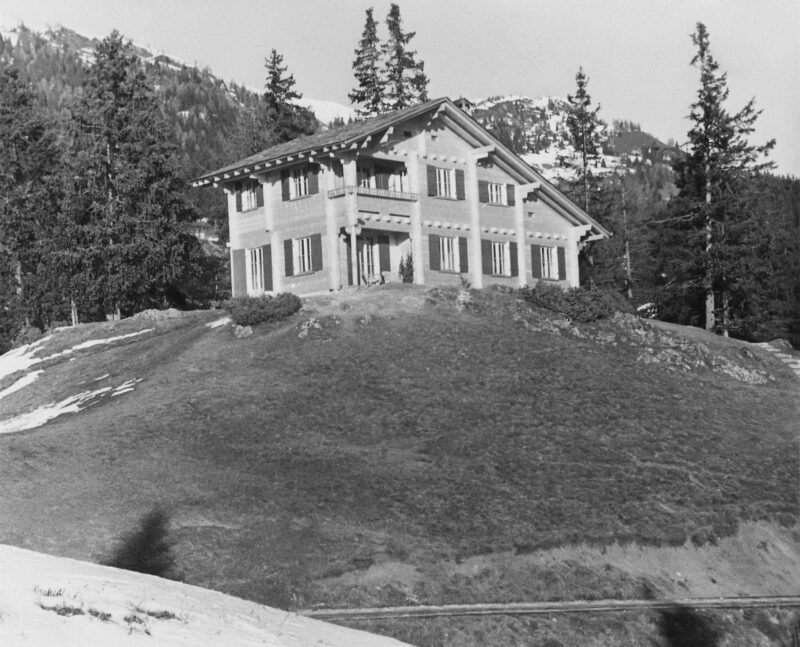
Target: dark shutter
383	253
460	193
486	256
239	273
313	178
316	252
381	177
266	258
434	253
463	254
562	263
285	185
288	257
483	191
536	261
259	194
432	180
349	262
238	188
512	250
510	198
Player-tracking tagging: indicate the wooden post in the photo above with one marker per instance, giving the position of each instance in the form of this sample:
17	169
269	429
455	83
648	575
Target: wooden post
73	312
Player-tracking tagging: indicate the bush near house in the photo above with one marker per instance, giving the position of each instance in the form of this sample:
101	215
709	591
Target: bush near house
249	311
579	304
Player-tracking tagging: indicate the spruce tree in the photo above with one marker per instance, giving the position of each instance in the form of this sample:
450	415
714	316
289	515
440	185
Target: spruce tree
368	95
583	125
125	243
714	232
406	82
276	118
30	186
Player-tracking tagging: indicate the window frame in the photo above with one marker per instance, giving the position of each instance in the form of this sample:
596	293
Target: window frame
501	258
298	183
449	254
254	276
303	256
549	262
445	183
497	193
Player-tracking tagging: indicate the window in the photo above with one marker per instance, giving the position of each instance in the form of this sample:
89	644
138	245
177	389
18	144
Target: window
365	178
448	254
302	256
255	271
298	187
500	259
497	193
445	182
398	181
249	199
549	263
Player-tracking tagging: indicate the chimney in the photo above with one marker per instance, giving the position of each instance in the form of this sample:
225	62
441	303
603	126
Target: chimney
465	105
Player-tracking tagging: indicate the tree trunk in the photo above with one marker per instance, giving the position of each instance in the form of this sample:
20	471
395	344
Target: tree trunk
628	271
708	282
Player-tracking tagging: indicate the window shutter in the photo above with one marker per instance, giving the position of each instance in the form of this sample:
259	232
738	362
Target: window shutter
238	188
383	253
460	193
239	273
285	195
259	195
288	257
463	254
432	180
434	253
510	198
316	252
512	250
483	191
266	256
313	178
562	263
536	261
486	256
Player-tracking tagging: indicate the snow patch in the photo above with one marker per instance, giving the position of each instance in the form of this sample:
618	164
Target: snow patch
22	358
47	412
218	323
327	111
21	383
109	340
48	600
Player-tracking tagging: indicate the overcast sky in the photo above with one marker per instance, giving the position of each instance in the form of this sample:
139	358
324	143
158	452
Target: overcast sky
636	53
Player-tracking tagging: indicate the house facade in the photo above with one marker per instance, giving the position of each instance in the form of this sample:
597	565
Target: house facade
347	206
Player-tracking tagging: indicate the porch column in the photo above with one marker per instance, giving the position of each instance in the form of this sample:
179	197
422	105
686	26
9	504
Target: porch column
521	196
473	202
334	273
415	223
351	206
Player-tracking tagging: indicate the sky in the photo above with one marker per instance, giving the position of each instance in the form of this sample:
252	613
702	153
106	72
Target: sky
636	53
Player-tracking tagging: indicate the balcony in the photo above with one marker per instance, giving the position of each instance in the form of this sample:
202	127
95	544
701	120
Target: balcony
373	193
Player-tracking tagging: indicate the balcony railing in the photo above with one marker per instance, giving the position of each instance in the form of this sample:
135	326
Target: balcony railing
373	193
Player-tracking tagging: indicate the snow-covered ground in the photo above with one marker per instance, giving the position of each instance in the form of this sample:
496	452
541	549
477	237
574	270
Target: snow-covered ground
23	358
327	111
46	600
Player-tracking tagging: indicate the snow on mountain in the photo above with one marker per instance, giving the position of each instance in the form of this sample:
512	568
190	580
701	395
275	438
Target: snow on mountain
327	111
47	600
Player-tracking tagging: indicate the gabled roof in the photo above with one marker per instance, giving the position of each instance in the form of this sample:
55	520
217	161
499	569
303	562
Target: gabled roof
346	137
340	137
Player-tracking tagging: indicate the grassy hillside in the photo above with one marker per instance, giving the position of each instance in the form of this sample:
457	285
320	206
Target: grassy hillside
358	452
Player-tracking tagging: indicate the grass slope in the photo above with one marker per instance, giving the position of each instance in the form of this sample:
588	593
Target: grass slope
387	428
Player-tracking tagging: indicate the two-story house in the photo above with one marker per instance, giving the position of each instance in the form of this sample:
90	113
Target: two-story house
344	207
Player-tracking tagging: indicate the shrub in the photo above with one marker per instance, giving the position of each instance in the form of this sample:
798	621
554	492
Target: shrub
147	550
579	304
249	311
406	269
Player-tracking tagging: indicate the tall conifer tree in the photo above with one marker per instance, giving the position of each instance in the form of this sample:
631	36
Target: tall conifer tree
583	125
406	82
368	95
126	242
715	222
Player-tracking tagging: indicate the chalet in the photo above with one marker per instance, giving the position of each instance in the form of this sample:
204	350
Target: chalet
346	206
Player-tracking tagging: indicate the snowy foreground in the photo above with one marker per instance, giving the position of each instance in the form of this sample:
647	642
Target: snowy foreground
46	600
